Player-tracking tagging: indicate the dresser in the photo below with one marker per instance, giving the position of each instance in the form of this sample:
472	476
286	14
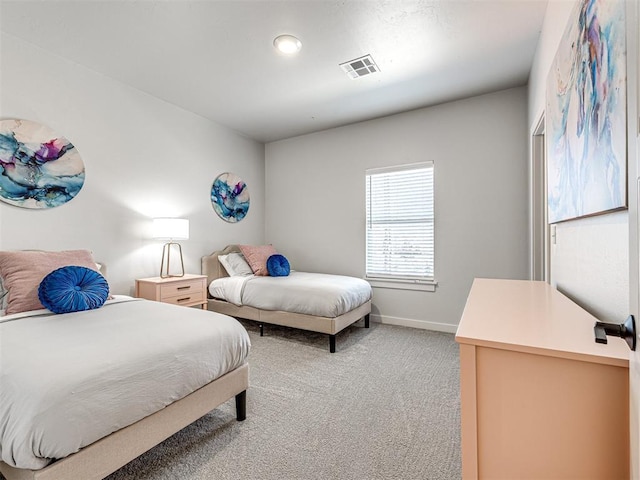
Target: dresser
189	290
539	398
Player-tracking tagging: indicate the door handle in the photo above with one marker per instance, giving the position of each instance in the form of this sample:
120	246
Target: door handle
626	331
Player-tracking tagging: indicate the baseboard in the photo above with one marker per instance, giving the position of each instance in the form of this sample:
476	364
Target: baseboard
410	322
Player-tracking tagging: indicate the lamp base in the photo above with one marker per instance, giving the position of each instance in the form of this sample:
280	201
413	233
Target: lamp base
165	266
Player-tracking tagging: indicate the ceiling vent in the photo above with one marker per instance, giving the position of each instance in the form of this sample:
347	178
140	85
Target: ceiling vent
360	67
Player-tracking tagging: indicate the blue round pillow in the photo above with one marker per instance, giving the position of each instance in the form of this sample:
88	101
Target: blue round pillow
73	289
278	266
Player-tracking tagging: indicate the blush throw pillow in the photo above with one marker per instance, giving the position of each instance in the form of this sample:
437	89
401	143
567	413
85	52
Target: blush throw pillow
73	289
22	272
256	257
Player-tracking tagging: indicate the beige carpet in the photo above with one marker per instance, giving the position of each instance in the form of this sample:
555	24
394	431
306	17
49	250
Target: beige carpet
384	406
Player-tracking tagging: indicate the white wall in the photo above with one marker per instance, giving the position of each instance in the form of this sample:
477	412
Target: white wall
315	191
590	259
143	158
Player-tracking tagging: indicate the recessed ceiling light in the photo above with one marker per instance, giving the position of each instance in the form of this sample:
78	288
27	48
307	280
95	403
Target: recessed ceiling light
287	44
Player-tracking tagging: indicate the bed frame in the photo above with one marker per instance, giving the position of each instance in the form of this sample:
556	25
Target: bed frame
212	268
105	456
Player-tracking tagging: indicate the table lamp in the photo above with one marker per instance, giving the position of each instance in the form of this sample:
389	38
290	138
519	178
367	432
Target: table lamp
170	229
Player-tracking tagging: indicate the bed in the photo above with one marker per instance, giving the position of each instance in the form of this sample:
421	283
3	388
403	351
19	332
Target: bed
85	392
338	315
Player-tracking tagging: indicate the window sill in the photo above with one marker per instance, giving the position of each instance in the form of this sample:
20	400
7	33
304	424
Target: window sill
423	286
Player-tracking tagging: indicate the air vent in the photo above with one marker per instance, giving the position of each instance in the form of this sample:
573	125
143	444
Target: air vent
360	67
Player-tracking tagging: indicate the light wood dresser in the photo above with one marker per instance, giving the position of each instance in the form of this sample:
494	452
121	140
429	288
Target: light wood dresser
189	290
539	398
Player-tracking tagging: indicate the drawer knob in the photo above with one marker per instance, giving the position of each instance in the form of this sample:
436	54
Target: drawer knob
186	287
184	299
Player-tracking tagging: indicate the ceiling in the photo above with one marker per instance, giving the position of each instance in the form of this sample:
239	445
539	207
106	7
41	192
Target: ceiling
216	58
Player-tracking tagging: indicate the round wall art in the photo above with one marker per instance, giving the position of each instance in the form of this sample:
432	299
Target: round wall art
38	168
230	197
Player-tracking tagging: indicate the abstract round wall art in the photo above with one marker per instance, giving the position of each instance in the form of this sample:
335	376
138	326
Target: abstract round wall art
38	168
230	197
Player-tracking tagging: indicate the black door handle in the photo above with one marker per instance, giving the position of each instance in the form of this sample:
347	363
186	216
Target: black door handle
626	330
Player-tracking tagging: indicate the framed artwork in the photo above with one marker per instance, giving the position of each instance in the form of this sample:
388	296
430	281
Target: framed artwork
38	168
586	114
230	197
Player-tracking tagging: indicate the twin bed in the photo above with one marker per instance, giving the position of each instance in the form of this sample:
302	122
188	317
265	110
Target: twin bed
308	301
83	393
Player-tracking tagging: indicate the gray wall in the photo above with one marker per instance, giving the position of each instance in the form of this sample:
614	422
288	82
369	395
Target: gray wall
143	158
315	198
590	257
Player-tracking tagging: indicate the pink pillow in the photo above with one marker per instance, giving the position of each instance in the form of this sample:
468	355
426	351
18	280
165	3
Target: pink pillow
256	257
22	272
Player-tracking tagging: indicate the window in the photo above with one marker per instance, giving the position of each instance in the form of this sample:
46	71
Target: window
400	225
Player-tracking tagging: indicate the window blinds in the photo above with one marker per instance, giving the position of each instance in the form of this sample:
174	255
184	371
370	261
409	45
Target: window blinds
400	222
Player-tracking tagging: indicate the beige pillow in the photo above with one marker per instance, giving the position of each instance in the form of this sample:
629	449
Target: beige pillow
256	257
22	272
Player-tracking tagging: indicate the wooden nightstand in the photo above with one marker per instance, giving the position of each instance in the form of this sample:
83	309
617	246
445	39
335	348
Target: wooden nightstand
190	290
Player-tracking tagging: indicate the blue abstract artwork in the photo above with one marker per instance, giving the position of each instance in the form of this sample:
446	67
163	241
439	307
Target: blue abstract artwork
230	197
38	168
586	114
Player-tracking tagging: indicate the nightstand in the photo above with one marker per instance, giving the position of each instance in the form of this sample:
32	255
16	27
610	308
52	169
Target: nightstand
190	290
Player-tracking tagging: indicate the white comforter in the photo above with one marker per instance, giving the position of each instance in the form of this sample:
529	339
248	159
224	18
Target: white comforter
318	294
68	380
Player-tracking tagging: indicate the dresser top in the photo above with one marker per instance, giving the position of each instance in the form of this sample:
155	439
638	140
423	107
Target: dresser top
533	317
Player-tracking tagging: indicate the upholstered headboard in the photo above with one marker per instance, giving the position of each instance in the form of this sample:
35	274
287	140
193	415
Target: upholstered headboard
212	268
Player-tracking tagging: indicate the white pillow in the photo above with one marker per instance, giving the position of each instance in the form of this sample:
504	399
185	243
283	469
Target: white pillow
235	264
3	298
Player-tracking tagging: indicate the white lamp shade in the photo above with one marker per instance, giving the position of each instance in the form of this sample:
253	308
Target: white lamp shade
171	228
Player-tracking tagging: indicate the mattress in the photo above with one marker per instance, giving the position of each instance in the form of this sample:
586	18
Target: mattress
68	380
318	294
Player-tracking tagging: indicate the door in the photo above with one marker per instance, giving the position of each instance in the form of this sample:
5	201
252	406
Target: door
633	149
540	249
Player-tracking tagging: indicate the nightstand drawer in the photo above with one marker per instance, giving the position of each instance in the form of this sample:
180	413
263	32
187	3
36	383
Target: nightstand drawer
183	288
193	298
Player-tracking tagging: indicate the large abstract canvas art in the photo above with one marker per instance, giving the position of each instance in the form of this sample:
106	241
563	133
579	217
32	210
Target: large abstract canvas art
586	114
38	168
230	197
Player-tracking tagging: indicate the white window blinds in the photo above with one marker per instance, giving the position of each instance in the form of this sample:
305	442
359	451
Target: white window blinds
400	221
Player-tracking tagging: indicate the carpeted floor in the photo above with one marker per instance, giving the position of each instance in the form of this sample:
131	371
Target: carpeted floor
385	406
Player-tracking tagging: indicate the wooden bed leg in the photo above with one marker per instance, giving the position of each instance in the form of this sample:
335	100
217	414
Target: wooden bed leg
241	406
261	330
366	321
332	343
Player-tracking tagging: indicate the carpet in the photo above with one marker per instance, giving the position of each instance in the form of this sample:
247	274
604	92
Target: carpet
386	405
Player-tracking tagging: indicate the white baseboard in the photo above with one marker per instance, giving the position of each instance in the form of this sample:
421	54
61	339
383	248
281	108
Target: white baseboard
410	322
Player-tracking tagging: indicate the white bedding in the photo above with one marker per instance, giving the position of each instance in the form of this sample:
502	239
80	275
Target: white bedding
318	294
68	380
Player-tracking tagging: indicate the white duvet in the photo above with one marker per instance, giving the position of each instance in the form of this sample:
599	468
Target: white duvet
318	294
68	380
